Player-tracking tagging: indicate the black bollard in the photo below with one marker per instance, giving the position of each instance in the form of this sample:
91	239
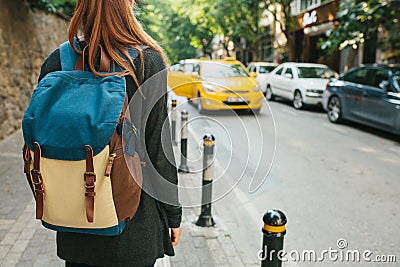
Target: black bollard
173	122
184	119
274	231
205	218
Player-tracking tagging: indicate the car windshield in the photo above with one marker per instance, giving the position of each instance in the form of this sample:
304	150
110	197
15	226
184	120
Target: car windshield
218	70
315	72
266	69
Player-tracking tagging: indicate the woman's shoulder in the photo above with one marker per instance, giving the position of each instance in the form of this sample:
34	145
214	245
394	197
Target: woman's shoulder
153	62
51	63
150	53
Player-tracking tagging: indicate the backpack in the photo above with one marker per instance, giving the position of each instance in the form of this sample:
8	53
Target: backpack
82	178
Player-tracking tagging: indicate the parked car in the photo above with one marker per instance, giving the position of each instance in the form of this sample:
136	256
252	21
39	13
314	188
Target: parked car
368	94
260	71
216	84
302	83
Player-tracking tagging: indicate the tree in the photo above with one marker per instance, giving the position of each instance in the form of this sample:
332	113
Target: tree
241	19
359	23
205	27
168	24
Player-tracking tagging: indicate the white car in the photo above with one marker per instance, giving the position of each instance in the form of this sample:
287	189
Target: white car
302	83
261	69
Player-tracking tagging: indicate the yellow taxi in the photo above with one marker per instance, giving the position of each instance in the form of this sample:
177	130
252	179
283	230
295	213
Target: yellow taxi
216	84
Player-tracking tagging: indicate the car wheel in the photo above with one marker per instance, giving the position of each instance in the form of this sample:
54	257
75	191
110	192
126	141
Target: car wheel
189	100
298	100
334	109
200	104
268	93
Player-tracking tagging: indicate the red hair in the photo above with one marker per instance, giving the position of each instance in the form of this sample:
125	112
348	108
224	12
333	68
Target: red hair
111	24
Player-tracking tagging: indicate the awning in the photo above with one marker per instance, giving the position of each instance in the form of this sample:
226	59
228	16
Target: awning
390	54
319	29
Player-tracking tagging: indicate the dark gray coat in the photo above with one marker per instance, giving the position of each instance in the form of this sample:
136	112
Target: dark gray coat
146	237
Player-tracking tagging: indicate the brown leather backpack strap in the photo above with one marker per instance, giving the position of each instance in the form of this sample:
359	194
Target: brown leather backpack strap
90	179
123	111
37	180
80	63
27	166
104	61
27	159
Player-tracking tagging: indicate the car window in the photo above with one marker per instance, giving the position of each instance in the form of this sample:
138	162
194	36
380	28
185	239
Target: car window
379	78
196	68
357	76
266	69
279	71
315	72
188	68
222	70
396	74
252	68
176	68
289	71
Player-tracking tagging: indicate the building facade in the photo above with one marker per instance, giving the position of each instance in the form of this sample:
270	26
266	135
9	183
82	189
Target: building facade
313	22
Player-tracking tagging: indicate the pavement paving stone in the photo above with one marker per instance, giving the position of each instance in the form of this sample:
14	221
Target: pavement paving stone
24	263
4	249
19	246
216	251
43	260
6	224
31	253
11	259
10	238
27	234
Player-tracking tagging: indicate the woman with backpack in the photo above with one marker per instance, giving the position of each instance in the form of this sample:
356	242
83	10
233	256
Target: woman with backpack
110	26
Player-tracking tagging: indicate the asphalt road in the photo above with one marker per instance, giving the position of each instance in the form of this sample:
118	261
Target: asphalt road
332	181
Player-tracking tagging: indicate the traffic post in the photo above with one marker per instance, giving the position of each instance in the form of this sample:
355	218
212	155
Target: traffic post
274	231
173	122
205	218
184	135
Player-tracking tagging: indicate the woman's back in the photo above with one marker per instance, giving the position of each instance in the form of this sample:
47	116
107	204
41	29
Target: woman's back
111	24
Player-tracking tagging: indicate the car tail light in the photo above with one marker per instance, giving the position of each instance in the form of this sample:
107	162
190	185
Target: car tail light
326	87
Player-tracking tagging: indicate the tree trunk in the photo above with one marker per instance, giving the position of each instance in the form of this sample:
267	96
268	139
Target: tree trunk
369	54
350	59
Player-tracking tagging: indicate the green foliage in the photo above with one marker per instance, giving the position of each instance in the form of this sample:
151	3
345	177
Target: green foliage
65	6
44	5
240	19
359	20
181	27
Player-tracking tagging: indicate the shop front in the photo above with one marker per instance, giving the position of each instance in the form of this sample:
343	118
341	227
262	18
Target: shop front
310	29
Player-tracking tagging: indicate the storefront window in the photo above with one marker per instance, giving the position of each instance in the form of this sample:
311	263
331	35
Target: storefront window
306	4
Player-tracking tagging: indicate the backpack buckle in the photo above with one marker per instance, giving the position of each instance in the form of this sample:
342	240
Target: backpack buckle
89	174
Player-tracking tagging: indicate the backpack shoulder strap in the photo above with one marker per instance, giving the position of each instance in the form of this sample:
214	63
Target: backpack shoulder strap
68	56
134	53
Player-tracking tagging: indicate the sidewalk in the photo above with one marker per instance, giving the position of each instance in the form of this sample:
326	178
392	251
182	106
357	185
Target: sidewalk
203	246
24	242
